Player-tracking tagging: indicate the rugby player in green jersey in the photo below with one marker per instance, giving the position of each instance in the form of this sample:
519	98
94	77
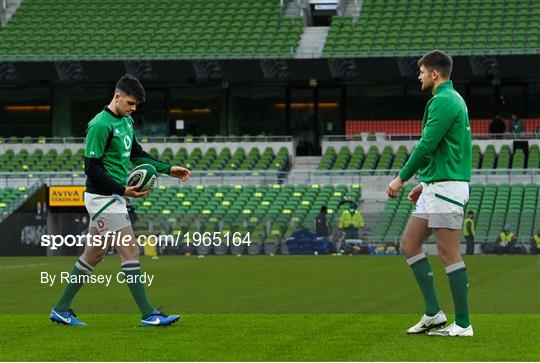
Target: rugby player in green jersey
442	159
110	147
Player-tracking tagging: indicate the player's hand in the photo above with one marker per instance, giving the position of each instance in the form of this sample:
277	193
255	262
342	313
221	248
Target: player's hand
415	193
393	188
181	173
134	192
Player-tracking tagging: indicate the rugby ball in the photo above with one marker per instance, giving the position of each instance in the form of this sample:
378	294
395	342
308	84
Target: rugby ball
144	176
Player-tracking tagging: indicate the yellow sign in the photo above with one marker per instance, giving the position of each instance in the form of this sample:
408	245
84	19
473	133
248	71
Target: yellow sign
70	196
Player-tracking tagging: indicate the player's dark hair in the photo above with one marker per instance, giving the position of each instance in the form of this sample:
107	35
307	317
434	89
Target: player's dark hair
438	60
324	209
131	86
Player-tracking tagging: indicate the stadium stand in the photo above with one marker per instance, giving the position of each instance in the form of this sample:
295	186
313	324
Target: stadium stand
157	30
495	205
414	127
9	197
269	212
461	27
68	160
372	158
375	159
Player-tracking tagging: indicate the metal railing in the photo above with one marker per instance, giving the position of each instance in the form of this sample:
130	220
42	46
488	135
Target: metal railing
43	57
387	137
397	239
152	139
263	177
289	54
356	176
365	136
267	177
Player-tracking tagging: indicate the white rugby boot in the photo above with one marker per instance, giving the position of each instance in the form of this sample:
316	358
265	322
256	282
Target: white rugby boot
427	323
453	330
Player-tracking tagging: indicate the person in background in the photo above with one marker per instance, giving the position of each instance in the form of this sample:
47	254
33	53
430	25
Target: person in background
468	232
506	241
497	125
350	222
322	228
535	243
76	226
321	223
516	125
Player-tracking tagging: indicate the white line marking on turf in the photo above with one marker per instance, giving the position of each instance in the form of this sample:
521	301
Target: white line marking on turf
24	266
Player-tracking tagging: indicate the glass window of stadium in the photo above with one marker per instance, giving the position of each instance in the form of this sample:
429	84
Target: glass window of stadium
198	107
331	111
29	109
303	120
151	116
416	99
376	102
534	100
512	100
257	110
482	101
314	111
75	107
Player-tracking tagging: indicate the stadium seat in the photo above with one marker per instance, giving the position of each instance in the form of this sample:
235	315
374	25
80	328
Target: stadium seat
494	205
10	197
269	213
405	28
375	159
41	30
73	160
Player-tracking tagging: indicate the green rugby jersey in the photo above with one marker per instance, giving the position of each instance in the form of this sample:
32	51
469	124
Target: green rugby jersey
111	140
444	151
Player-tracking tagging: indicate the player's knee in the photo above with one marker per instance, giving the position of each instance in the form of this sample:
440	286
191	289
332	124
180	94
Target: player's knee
405	247
95	258
444	256
100	255
131	253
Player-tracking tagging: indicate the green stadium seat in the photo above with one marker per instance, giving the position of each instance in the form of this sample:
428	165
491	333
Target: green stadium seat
494	205
204	32
413	27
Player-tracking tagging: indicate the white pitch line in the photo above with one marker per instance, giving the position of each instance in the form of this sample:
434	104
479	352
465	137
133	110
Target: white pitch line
23	266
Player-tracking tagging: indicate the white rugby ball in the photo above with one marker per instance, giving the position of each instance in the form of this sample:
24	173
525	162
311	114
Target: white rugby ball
143	176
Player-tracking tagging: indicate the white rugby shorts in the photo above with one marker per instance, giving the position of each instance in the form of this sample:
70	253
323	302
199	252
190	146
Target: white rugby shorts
442	204
108	213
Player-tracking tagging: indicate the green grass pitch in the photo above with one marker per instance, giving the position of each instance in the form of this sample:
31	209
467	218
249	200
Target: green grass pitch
280	308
